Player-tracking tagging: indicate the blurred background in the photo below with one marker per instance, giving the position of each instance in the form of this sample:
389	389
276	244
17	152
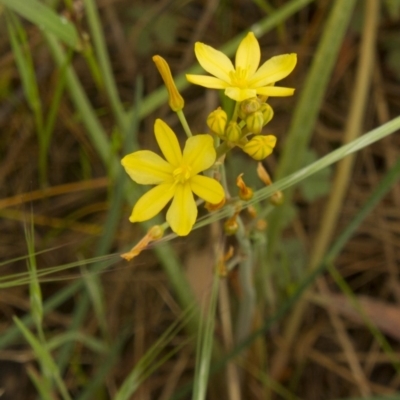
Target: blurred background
65	201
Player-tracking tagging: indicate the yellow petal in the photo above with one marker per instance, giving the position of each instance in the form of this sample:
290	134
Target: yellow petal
273	70
199	153
238	94
207	189
248	54
168	142
207	81
182	213
147	168
275	91
213	61
152	202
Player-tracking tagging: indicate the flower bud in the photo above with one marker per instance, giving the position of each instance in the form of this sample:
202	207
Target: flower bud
233	132
267	113
175	100
260	146
250	106
277	198
155	232
216	121
251	210
245	193
261	225
255	122
231	226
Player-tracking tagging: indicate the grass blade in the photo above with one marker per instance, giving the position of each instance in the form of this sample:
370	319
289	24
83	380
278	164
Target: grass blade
309	104
46	19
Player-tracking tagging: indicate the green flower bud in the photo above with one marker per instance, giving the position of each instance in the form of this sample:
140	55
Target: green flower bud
216	121
250	106
267	113
233	132
255	122
277	198
260	146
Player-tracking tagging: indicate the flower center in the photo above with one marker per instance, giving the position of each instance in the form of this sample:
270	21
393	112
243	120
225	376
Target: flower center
182	173
239	77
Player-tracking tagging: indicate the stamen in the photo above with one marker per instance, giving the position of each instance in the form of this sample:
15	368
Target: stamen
182	173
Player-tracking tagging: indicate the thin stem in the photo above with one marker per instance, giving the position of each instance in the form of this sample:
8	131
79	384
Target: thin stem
235	112
184	123
247	304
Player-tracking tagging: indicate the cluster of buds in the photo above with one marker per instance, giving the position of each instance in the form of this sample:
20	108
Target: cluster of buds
244	129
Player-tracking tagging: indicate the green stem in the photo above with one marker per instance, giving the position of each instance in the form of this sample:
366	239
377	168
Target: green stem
235	112
184	123
247	303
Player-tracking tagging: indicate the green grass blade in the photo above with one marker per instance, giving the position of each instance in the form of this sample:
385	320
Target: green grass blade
296	177
90	342
380	191
309	104
50	369
46	19
151	359
105	65
376	333
206	338
41	384
35	292
52	303
90	391
20	47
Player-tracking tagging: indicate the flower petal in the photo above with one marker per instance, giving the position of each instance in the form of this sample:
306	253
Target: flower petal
207	189
275	91
207	81
168	142
238	94
147	168
152	202
213	61
273	70
182	213
248	54
199	153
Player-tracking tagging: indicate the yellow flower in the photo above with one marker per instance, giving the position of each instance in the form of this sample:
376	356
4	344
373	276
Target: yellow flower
245	80
176	177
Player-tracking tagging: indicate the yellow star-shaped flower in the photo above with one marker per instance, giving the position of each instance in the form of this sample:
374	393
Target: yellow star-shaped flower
245	80
176	177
